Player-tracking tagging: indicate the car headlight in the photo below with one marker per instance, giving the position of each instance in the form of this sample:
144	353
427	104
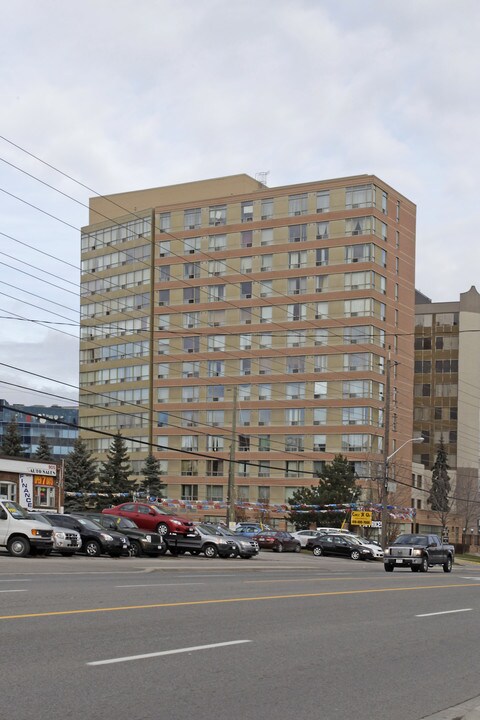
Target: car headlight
177	522
222	542
387	551
147	538
417	552
60	535
106	537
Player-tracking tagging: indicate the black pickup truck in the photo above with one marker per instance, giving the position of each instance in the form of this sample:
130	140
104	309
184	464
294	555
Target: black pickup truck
418	552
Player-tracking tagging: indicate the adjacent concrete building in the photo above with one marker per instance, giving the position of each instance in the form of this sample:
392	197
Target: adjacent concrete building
47	420
291	295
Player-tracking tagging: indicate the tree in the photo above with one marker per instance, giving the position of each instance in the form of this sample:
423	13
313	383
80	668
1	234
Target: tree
152	484
11	441
43	451
115	472
336	485
80	475
438	498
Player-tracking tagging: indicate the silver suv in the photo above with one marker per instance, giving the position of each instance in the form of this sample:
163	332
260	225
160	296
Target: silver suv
65	541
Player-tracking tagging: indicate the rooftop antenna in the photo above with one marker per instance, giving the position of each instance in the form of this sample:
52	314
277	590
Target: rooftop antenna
262	177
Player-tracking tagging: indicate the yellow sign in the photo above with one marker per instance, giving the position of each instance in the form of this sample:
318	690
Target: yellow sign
361	517
44	480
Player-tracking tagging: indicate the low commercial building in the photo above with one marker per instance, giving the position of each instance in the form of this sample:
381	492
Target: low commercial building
34	485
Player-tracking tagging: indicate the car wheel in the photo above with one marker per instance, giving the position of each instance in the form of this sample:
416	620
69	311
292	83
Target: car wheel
317	551
162	528
355	555
424	566
388	567
18	546
135	549
92	548
210	550
447	565
297	548
279	547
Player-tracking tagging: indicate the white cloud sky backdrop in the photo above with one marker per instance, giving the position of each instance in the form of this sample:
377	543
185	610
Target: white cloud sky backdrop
127	94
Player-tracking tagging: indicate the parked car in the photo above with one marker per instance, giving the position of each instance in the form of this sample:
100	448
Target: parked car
278	541
65	541
245	547
330	544
304	535
95	540
149	516
141	541
249	529
201	539
20	534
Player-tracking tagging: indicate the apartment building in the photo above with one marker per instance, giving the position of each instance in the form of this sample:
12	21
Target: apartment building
446	390
280	303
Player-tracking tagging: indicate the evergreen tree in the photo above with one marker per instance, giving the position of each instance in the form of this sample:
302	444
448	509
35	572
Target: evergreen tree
79	477
43	451
151	483
438	498
115	472
336	485
11	441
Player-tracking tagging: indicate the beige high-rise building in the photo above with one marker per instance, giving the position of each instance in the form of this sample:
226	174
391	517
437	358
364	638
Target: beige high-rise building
292	295
447	388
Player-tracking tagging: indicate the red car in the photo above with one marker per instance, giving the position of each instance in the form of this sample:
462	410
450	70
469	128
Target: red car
152	517
277	541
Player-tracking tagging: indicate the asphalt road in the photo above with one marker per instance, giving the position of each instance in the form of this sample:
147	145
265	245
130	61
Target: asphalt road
279	636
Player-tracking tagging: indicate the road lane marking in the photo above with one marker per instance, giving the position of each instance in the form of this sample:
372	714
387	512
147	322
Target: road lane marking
261	598
15	581
475	577
5	591
444	612
129	658
160	585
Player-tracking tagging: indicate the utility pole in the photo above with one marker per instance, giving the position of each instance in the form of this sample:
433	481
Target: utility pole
231	465
386	440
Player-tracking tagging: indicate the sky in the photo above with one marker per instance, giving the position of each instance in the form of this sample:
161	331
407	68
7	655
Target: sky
128	94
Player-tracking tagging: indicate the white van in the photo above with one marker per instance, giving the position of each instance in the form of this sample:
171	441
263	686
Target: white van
20	534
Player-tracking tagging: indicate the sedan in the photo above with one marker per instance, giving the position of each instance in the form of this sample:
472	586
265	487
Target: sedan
278	541
339	545
152	517
303	536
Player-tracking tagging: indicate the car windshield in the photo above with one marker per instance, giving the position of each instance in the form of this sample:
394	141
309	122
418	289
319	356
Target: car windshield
207	529
41	518
89	524
161	511
16	510
412	540
125	523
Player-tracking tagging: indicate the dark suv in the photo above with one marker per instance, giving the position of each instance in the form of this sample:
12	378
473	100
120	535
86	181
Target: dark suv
95	539
142	542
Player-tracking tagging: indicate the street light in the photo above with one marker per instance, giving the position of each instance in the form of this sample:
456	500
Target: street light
385	485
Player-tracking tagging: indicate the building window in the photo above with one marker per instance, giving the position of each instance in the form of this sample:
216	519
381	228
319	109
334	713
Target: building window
217	242
214	468
191	295
263	494
246	265
295	416
294	468
320	443
319	416
264	468
323	201
215	393
246	239
191	344
244	443
321	336
163	298
190	418
266	236
44	496
266	263
189	492
215	418
247	211
267	209
216	293
191	270
215	343
321	257
297	233
295	364
192	218
216	368
214	493
189	467
243	493
295	391
264	391
217	215
215	443
263	443
322	230
359	197
296	312
384	202
294	443
297	204
297	285
192	245
264	416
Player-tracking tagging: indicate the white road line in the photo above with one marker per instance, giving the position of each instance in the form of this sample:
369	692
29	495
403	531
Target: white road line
166	652
445	612
15	581
208	576
465	577
160	585
5	591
